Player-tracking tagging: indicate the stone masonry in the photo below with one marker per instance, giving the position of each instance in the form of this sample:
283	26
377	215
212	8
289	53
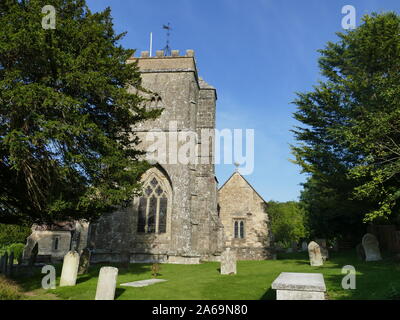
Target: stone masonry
192	230
242	212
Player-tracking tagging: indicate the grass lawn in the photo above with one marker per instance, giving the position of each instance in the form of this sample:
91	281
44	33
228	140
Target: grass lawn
375	280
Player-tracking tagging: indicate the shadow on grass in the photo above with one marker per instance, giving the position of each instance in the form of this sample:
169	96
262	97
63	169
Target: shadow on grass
119	292
270	294
32	280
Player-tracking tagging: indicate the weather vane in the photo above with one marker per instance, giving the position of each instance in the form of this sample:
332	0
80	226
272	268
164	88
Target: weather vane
167	49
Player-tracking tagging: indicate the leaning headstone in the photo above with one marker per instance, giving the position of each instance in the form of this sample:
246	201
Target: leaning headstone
69	271
29	246
228	262
323	248
314	252
304	246
10	264
360	252
107	283
371	248
33	255
84	261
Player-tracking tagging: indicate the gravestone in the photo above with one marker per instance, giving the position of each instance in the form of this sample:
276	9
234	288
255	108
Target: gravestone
304	246
107	283
228	262
69	271
324	248
294	246
299	286
10	264
371	248
360	252
33	255
142	283
314	252
84	261
30	244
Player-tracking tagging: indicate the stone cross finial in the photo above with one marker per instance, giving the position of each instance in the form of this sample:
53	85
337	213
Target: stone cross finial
237	165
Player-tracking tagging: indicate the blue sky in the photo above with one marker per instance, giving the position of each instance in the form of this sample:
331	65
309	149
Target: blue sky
257	54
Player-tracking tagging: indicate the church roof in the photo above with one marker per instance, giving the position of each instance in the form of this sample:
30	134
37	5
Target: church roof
237	173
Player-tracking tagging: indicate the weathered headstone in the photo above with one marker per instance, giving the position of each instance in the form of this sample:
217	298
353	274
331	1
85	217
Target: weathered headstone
299	286
324	248
10	264
75	240
30	244
33	255
69	271
107	283
314	252
84	261
304	246
371	248
360	252
228	262
142	283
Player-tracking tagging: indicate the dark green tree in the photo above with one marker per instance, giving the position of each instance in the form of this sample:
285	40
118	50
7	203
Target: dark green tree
11	234
66	146
351	133
287	221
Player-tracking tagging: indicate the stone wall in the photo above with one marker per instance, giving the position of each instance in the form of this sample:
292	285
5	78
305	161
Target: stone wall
46	243
194	231
238	201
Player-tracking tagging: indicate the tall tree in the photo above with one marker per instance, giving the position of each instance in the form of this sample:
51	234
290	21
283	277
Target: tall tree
350	142
288	222
67	150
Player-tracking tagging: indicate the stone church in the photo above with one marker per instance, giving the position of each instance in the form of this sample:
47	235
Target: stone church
178	218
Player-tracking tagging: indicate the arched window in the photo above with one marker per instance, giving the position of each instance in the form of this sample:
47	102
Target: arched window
153	205
239	229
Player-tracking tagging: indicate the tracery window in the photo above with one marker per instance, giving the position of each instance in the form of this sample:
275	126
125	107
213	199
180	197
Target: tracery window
152	208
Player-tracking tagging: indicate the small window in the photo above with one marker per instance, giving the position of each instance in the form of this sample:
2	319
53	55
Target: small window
239	229
56	243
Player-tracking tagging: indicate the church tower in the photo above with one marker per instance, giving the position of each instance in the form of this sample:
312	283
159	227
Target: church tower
175	220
